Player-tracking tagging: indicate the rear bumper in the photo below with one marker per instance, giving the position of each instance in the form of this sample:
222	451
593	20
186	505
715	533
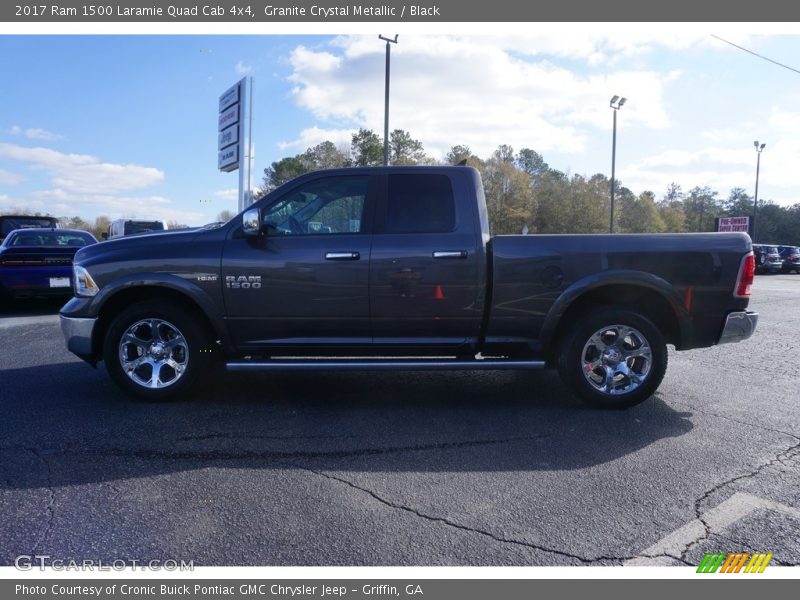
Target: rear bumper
739	326
78	335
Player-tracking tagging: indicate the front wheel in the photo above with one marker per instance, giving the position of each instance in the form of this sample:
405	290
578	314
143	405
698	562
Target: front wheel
613	358
156	351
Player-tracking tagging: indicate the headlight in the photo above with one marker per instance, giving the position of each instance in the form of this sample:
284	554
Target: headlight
83	282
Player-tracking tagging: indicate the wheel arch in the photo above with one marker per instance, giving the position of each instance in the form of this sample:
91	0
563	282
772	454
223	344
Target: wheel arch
644	293
129	295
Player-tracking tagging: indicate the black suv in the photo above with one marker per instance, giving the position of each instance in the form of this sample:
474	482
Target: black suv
790	255
768	258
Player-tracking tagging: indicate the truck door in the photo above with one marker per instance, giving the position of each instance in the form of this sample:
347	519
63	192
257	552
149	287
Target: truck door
426	273
305	283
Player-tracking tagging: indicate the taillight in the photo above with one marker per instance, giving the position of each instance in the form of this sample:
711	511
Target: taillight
747	271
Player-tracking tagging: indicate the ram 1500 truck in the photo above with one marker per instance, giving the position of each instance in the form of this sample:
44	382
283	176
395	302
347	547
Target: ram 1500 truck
394	268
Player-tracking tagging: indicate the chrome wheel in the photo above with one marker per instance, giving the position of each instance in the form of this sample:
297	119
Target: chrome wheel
153	353
616	359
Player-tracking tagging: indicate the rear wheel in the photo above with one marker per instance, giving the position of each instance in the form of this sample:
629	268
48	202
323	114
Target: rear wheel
156	351
613	358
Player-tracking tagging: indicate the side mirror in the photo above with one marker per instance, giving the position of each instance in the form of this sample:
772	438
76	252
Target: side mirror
104	235
251	222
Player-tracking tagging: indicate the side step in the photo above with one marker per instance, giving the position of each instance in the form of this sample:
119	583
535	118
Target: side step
438	364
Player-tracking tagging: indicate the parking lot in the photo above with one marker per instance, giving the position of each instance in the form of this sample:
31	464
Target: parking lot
404	468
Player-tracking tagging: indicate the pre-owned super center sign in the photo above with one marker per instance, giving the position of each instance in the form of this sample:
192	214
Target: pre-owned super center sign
734	224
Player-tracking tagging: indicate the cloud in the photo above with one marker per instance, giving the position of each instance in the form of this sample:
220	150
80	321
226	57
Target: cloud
231	194
151	207
82	172
730	162
479	91
316	135
9	178
242	69
35	134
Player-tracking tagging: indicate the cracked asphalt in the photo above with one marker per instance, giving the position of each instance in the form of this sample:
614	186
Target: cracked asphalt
469	468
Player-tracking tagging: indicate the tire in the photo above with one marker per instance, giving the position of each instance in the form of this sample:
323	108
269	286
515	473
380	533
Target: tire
601	339
157	351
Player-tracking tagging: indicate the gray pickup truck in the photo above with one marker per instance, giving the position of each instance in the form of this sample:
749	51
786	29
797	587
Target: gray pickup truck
394	268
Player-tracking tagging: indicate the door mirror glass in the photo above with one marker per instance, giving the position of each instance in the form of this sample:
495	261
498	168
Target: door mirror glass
251	222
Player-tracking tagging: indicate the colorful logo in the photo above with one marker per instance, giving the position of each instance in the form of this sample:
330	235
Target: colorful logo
734	562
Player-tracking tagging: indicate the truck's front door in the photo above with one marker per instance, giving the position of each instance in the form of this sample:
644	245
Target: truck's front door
305	283
427	270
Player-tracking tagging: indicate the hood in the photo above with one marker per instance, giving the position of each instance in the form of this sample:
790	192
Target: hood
139	243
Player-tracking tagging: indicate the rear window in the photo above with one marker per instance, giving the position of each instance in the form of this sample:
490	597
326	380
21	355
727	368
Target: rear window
772	250
142	226
420	203
54	239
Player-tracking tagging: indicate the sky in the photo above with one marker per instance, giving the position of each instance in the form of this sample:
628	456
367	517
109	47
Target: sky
126	125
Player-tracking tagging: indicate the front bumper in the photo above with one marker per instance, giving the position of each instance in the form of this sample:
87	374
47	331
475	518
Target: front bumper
78	335
739	326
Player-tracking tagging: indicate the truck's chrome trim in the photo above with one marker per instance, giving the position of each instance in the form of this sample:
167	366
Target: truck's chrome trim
383	365
739	326
78	334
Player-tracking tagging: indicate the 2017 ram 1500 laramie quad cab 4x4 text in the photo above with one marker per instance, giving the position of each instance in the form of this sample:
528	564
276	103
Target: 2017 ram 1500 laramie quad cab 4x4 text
394	268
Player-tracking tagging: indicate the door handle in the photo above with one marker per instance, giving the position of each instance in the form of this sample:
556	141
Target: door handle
342	256
450	254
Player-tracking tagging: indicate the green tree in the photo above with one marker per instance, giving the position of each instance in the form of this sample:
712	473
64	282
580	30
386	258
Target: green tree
532	163
460	152
405	150
509	199
101	223
640	214
366	149
701	206
670	207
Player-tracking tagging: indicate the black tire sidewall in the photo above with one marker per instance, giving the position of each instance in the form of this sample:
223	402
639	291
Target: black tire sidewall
187	324
570	358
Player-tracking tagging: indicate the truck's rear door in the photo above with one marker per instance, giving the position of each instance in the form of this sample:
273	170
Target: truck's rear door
427	270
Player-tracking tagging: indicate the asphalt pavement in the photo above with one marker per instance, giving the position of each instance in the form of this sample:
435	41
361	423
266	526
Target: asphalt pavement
469	468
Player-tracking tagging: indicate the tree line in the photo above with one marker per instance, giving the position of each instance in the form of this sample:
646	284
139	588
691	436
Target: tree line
524	192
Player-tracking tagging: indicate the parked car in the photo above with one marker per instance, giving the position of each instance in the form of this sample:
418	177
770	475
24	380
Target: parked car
38	261
768	259
9	223
790	256
402	273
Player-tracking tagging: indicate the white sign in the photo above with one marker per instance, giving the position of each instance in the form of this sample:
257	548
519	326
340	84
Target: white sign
228	117
734	224
228	159
231	96
228	136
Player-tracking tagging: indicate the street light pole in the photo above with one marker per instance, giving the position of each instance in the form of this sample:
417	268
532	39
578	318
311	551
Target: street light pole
386	100
759	149
616	103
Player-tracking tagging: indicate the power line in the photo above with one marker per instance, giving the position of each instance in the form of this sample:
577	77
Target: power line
775	62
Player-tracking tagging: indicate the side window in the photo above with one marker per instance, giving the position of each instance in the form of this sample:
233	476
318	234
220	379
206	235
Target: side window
420	203
324	206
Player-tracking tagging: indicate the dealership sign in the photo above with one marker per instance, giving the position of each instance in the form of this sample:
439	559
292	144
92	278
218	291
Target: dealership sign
734	224
234	148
